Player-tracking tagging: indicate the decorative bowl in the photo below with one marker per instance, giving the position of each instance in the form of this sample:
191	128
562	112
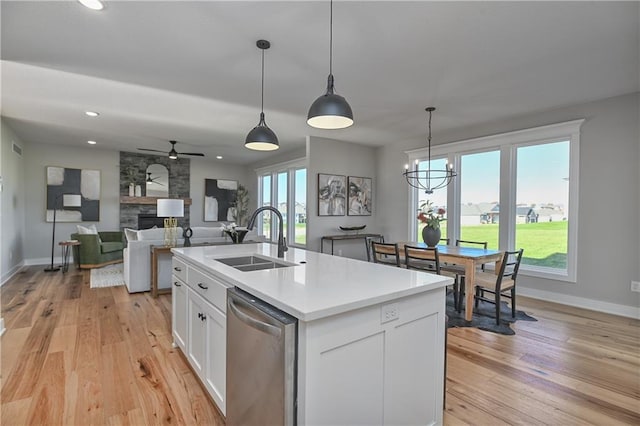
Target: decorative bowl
353	228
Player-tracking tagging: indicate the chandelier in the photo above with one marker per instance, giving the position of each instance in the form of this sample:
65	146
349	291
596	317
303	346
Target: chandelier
430	179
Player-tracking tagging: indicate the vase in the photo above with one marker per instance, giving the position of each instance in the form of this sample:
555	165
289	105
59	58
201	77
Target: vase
431	236
238	236
131	189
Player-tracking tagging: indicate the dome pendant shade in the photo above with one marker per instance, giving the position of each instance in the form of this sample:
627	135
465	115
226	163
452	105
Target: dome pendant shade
261	137
330	111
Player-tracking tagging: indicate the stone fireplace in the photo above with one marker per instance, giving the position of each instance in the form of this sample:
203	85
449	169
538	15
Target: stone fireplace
133	167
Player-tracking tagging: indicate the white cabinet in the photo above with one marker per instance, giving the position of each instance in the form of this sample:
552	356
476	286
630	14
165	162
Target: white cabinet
373	371
180	313
200	326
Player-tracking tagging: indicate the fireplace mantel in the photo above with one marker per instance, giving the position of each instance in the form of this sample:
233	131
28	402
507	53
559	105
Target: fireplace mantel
148	200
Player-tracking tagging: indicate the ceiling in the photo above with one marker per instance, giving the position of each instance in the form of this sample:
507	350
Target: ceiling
190	71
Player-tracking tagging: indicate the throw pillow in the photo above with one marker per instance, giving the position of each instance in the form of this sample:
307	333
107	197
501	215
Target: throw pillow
131	234
87	230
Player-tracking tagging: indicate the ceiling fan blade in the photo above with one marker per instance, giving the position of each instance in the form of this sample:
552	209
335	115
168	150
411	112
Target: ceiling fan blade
191	153
154	150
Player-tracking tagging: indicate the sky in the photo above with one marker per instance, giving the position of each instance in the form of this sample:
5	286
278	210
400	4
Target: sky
542	173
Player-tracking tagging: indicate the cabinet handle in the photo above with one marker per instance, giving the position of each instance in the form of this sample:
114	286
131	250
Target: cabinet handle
204	317
202	286
177	268
177	284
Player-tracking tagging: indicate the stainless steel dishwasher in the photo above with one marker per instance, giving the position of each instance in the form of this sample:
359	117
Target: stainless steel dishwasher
261	362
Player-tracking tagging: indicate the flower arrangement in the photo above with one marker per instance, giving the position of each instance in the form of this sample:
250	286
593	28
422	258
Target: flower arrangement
430	215
230	228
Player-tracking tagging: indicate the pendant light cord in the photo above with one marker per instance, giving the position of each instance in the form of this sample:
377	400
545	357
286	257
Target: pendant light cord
429	141
262	94
331	38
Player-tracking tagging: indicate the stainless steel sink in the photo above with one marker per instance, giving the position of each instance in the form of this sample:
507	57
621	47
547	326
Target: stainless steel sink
253	263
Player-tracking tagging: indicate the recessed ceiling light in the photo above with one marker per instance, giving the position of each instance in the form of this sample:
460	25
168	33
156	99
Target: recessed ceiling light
92	113
92	4
92	142
219	157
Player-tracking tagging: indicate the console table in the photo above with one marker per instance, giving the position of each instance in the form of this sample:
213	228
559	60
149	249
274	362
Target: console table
365	237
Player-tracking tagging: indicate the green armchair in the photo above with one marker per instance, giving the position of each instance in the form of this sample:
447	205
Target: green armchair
98	250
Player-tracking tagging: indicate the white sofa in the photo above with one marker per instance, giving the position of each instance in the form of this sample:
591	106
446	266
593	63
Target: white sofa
137	254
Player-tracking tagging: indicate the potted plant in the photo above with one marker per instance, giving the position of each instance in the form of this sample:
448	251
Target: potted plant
241	204
431	217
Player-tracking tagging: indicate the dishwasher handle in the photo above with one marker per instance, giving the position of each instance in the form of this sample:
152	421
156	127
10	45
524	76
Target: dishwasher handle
254	323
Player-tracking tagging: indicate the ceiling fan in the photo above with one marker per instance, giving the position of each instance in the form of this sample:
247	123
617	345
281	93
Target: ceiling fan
151	180
173	154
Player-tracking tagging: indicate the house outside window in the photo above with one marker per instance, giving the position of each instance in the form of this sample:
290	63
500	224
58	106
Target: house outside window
514	190
287	184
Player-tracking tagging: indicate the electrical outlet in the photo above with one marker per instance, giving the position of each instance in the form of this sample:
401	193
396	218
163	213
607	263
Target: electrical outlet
635	286
389	312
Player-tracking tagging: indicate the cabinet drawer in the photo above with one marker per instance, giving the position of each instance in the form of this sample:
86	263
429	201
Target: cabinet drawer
212	290
179	269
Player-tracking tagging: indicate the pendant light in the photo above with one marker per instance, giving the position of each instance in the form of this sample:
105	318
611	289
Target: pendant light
330	111
261	137
430	179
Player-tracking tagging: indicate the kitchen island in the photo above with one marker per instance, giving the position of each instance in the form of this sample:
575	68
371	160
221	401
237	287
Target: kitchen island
370	336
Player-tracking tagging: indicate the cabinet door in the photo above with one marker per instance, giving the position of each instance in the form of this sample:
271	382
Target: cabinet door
196	343
180	316
216	355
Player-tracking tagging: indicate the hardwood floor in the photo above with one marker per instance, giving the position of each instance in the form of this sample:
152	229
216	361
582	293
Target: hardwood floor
75	355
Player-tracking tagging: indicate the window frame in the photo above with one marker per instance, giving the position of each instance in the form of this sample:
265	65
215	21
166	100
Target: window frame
290	167
507	144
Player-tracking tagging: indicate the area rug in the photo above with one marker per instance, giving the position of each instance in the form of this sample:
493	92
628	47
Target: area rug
484	317
108	276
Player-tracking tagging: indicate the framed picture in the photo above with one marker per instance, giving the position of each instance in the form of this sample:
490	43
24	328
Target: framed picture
63	181
359	199
332	194
219	199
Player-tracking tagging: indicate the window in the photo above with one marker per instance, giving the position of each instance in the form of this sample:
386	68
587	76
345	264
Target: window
479	197
542	199
438	198
514	190
286	184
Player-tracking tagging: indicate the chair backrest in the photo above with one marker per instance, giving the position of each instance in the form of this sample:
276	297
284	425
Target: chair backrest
445	240
423	258
475	243
509	267
386	253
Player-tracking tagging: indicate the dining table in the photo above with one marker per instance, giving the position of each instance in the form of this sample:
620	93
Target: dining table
468	257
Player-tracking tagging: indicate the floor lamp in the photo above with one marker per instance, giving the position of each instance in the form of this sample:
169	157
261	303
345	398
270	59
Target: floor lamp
68	200
170	209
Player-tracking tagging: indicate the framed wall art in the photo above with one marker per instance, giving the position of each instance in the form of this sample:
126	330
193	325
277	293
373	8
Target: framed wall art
332	194
63	181
360	192
219	199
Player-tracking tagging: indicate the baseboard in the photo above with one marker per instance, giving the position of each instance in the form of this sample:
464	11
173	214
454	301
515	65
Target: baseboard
13	271
44	261
581	302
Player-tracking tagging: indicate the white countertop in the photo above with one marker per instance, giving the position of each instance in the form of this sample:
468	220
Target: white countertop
323	286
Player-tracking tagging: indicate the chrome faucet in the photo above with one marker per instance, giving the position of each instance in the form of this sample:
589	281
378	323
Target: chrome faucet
282	243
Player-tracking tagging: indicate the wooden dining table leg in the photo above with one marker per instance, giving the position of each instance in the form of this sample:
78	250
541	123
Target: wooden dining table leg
469	280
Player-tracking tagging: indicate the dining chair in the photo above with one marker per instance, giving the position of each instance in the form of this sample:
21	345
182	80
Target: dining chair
385	253
445	241
427	259
500	284
459	269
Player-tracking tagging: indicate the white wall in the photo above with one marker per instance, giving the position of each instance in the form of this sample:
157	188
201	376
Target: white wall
12	207
339	158
608	222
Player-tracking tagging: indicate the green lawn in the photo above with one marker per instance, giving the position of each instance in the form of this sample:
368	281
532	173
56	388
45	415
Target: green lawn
544	243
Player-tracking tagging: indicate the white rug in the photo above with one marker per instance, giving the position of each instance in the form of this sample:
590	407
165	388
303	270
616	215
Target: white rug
108	276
